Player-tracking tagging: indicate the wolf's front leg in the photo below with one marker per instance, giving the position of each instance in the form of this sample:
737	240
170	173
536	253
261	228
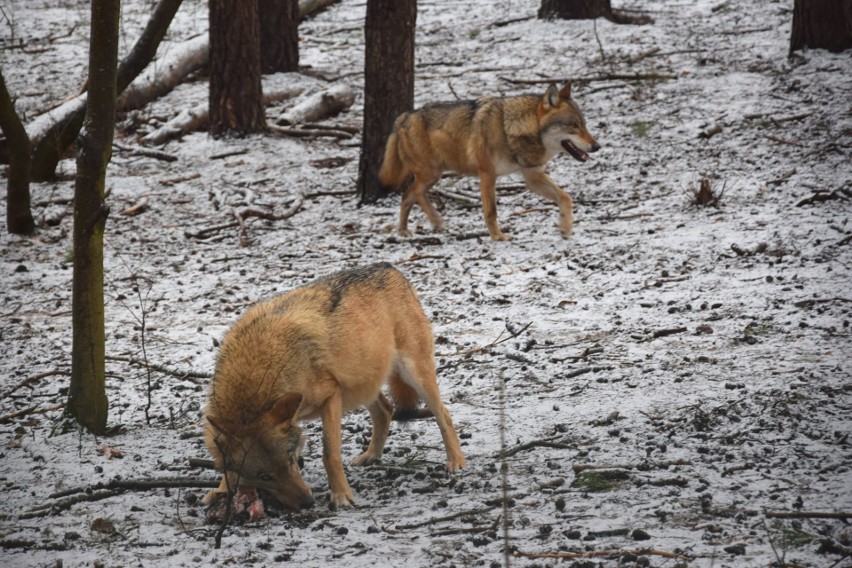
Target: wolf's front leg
540	183
341	493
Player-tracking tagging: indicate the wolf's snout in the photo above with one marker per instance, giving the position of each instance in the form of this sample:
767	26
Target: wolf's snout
595	147
307	502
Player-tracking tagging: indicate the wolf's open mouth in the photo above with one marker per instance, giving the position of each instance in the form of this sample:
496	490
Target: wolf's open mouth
578	154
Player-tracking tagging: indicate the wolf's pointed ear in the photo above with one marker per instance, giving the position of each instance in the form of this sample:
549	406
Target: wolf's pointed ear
565	93
286	408
551	96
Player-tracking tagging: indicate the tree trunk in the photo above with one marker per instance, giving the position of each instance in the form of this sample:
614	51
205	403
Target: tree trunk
61	135
825	24
279	35
19	218
575	9
87	400
236	95
388	84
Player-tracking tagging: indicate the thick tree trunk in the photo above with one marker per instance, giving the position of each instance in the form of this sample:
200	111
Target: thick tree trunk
825	24
87	400
236	95
388	84
19	218
279	35
575	9
61	135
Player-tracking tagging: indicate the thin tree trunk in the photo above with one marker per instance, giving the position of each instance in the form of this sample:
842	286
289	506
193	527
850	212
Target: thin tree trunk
61	135
236	95
825	24
19	217
279	35
87	400
388	84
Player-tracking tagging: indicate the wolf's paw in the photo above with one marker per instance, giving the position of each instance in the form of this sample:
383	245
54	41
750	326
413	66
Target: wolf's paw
404	233
455	464
341	499
501	237
366	458
567	232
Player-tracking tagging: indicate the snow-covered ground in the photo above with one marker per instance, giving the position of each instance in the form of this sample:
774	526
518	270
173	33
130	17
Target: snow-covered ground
678	371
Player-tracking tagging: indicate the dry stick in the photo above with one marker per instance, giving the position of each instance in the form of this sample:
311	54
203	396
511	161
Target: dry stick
161	368
106	490
434	520
597	553
30	410
665	332
806	515
244	214
809	303
33	379
583	371
497	341
309	133
605	77
532	444
658	465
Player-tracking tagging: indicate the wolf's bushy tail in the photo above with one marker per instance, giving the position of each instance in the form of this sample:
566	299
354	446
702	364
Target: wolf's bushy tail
393	171
404	397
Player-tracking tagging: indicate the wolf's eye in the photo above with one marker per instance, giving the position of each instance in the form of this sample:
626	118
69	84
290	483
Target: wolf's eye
264	477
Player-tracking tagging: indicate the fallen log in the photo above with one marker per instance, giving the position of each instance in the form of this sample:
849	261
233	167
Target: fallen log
54	132
166	74
190	120
318	106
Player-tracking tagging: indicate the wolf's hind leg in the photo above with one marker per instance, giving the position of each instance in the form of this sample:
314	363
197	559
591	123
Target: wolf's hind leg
381	411
419	373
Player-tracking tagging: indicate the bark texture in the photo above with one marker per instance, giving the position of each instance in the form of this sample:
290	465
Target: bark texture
279	35
388	84
87	401
19	217
825	24
236	95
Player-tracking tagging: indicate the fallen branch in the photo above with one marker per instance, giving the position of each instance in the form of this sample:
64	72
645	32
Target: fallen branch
161	368
547	443
35	409
642	466
604	77
807	515
137	208
820	196
242	216
180	179
309	132
98	492
434	520
148	153
666	332
812	302
33	379
583	371
497	341
597	554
